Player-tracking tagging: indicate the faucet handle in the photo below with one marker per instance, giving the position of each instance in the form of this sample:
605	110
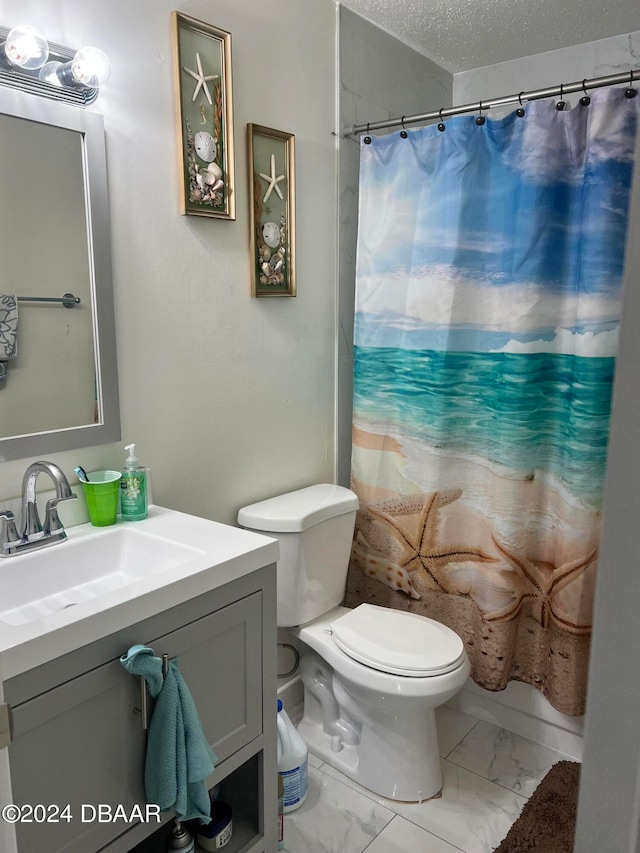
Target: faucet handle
31	527
11	535
52	523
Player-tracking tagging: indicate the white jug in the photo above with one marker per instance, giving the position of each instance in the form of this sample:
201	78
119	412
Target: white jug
292	762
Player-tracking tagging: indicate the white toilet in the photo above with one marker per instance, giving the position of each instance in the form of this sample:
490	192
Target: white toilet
372	676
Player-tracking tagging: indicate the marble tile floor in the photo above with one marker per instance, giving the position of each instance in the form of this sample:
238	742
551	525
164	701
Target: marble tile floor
488	775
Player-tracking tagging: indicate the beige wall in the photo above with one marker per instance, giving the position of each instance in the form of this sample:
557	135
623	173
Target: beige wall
229	399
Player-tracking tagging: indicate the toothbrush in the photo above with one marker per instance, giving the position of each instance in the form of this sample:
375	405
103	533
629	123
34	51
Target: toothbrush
82	474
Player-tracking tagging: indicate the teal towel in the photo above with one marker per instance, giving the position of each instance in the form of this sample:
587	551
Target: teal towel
179	758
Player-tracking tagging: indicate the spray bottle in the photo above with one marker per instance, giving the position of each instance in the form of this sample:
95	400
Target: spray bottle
181	839
133	488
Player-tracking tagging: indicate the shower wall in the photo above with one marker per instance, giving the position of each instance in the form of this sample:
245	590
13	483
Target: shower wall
379	78
593	59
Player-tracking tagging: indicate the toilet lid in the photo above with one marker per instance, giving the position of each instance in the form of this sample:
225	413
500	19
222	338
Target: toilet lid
398	642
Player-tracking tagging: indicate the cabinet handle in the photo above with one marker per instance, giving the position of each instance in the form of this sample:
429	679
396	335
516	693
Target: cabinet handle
144	704
143	710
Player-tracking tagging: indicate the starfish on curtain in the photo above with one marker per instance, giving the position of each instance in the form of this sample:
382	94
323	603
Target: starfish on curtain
382	537
421	551
541	584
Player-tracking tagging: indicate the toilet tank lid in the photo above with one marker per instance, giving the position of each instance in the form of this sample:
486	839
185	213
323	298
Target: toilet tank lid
299	510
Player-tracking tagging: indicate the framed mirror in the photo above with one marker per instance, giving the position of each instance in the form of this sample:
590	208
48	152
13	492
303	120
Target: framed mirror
60	391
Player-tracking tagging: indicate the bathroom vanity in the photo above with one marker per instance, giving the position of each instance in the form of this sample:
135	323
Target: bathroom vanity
77	717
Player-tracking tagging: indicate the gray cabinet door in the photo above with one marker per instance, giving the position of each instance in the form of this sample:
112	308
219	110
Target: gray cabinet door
81	743
78	744
220	658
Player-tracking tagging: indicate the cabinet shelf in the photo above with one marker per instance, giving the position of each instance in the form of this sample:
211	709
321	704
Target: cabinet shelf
244	837
241	789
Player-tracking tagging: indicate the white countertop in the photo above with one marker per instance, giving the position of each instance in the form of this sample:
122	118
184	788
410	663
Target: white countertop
224	553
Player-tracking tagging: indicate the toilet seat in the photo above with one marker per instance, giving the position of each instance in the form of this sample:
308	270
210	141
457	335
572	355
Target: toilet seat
398	642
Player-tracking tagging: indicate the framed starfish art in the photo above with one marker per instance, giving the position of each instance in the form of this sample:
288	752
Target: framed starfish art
202	74
272	211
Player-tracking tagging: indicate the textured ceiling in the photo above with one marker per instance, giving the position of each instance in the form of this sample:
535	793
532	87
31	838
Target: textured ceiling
465	34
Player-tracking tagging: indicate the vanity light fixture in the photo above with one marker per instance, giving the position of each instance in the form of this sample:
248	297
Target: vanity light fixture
88	69
29	63
24	48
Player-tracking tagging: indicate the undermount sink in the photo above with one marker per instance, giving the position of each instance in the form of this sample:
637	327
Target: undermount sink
43	582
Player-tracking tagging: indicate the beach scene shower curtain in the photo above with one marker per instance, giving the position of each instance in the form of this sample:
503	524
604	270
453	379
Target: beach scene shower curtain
488	293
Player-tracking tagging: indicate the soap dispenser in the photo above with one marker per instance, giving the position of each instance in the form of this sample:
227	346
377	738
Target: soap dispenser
133	488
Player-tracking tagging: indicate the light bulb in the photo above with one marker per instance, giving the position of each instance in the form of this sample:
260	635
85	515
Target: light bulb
26	48
90	67
51	73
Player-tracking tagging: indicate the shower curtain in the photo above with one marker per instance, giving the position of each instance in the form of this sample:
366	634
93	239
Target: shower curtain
489	270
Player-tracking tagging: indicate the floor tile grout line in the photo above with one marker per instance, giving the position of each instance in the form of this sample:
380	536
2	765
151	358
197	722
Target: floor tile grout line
461	739
564	755
435	834
486	779
388	823
417	825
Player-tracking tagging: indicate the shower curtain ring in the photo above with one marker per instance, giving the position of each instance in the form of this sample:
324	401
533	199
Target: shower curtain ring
480	119
367	139
561	104
441	125
585	100
520	110
630	92
403	132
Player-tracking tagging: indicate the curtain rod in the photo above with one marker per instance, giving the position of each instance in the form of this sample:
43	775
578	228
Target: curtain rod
534	95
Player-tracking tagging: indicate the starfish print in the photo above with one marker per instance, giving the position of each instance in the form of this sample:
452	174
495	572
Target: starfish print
382	538
541	582
272	180
201	80
421	550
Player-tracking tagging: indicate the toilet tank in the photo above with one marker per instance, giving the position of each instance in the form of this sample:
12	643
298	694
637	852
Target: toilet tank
314	528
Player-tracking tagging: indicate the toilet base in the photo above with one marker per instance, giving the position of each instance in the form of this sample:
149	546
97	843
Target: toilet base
377	728
398	766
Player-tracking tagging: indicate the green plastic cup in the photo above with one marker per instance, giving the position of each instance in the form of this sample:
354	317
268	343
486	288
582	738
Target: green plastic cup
101	494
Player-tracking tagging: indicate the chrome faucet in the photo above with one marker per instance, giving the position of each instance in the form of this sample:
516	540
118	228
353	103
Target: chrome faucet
34	534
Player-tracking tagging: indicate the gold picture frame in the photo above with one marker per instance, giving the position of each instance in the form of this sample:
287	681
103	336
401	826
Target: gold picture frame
203	93
272	211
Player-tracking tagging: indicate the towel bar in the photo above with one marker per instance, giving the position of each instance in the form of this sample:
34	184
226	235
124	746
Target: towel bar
67	299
